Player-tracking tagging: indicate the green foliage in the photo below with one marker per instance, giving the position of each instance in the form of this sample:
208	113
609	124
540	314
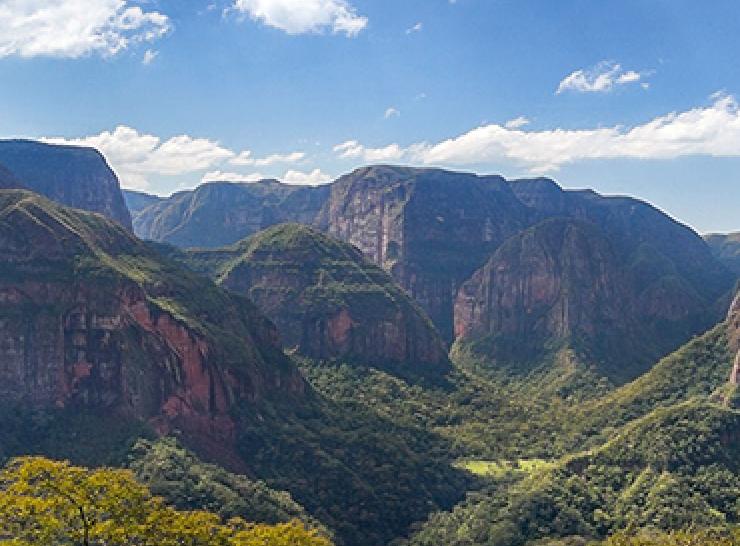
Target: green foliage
44	502
183	480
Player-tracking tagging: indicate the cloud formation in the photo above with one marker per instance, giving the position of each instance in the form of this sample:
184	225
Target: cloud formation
712	130
134	156
602	78
305	16
75	28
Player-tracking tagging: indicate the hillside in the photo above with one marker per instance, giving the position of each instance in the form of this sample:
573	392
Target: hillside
71	175
726	248
137	201
329	302
222	213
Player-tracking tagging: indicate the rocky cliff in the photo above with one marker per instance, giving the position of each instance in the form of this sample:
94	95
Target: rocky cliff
90	318
137	201
222	213
556	284
328	301
430	229
71	175
733	331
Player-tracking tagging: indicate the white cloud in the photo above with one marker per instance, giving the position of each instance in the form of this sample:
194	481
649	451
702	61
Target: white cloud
313	178
602	78
354	150
149	56
134	155
391	113
220	176
75	28
517	123
305	16
713	130
246	158
418	27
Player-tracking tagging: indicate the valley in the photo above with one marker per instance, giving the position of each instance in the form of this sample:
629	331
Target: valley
401	357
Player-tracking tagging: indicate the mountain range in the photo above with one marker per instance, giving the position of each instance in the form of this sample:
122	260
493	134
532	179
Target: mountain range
403	356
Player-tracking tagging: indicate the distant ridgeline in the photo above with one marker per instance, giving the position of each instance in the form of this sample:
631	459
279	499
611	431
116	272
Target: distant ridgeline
515	271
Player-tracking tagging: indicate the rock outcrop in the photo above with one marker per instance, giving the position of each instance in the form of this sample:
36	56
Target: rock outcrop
91	318
222	213
733	332
556	284
430	229
328	301
74	176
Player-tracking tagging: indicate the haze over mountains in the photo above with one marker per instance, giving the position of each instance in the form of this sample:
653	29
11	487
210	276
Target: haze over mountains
403	356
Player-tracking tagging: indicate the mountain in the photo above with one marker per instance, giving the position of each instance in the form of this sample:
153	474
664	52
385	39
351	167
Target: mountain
91	319
612	278
7	180
556	284
328	301
71	175
726	247
137	201
733	321
430	229
222	213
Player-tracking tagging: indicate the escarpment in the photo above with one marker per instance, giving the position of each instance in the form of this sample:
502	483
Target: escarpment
75	176
90	318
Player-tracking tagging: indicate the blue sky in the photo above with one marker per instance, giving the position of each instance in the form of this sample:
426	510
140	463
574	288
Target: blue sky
629	96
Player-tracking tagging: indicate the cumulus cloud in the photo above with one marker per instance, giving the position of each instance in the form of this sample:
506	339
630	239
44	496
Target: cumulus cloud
75	28
602	78
246	158
712	130
313	178
305	16
134	155
392	113
352	149
418	27
149	56
220	176
517	123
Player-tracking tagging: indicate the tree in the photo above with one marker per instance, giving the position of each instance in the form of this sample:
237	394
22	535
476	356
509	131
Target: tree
46	502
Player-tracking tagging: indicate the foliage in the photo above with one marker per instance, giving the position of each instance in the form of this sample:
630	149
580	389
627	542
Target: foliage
677	538
48	502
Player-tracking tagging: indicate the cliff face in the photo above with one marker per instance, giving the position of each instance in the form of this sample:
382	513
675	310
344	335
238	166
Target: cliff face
328	301
90	318
733	325
222	213
430	229
70	175
558	283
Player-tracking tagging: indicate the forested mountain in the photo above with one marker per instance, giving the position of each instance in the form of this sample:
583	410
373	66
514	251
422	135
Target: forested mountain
726	247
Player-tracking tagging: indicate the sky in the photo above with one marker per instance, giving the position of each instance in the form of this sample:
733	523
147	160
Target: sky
636	97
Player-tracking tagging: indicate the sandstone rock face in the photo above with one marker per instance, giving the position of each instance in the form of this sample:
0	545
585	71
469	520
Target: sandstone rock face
556	283
73	176
613	278
429	229
329	302
222	213
90	318
733	325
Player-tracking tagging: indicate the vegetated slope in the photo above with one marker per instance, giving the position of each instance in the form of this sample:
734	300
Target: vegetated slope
726	247
104	340
222	213
328	301
71	175
92	319
676	467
